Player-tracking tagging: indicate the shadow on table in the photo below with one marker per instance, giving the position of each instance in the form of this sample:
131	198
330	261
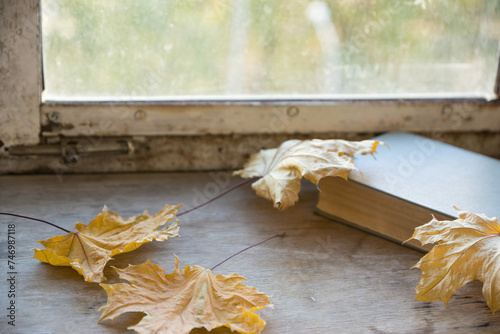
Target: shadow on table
128	319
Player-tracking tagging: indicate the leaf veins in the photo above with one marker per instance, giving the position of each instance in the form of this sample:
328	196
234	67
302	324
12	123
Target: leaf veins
466	249
183	300
89	248
281	169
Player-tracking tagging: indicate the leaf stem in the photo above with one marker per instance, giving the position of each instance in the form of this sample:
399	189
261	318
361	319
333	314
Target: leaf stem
220	195
36	219
241	251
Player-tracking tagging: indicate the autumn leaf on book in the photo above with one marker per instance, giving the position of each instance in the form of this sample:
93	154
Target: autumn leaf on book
466	249
183	300
89	248
281	169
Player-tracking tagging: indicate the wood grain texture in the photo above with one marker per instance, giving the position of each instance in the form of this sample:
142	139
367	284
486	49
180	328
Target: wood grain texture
324	277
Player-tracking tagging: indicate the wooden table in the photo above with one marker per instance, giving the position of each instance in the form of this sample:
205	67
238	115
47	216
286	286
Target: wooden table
324	277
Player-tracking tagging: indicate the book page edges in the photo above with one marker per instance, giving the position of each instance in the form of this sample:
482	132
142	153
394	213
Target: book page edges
374	211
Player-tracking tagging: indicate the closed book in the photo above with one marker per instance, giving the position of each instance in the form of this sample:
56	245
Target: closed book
404	185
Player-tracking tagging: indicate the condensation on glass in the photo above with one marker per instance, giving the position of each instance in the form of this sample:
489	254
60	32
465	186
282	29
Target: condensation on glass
253	49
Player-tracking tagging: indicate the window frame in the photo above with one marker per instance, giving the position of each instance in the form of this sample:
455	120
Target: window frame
270	117
20	70
26	118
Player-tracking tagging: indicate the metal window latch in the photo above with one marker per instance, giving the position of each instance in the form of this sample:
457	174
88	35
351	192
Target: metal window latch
71	149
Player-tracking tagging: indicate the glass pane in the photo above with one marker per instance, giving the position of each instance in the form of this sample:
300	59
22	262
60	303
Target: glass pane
188	49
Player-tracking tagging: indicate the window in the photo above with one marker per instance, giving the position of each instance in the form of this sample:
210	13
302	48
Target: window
123	50
137	69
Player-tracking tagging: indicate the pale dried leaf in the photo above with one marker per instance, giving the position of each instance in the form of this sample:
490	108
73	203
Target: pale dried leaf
183	300
466	249
281	169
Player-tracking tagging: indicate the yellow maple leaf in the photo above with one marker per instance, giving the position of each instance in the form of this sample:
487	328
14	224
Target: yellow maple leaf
183	300
466	249
89	248
281	169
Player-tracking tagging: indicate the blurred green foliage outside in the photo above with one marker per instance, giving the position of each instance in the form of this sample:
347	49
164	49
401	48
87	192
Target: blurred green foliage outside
130	49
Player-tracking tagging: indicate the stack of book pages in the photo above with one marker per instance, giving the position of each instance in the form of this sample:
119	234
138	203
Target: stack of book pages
405	184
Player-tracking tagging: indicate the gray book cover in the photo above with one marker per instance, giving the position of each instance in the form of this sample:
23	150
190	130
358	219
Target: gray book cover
432	174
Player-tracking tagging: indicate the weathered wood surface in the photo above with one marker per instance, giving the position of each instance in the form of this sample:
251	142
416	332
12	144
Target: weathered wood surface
20	72
324	277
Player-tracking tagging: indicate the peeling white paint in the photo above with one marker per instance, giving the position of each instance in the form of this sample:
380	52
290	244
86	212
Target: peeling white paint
201	153
20	77
158	120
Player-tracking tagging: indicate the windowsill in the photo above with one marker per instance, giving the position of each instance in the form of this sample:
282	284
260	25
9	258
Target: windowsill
328	99
323	276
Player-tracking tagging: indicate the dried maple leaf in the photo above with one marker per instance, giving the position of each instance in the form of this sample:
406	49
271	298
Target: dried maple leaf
466	249
183	300
89	248
281	169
